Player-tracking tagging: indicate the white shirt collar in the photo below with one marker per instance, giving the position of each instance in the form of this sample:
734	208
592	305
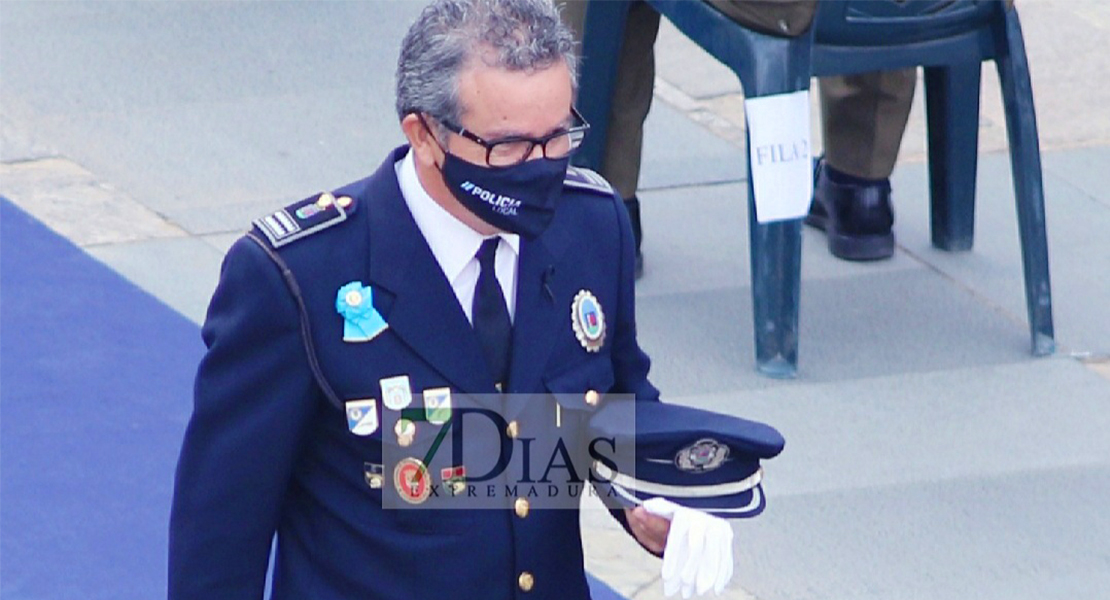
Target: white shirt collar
453	242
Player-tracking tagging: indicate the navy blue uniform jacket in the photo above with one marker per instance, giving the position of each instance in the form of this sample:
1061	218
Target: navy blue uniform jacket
267	453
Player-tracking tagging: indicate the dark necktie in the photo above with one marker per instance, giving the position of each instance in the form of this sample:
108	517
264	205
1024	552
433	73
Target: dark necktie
490	314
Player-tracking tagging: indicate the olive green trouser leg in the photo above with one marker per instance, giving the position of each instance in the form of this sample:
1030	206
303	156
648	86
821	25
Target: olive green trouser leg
863	118
632	92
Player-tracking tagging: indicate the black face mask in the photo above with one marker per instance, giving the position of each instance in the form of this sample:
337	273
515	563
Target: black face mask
519	199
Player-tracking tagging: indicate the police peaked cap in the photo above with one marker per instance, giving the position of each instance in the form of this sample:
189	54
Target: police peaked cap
692	457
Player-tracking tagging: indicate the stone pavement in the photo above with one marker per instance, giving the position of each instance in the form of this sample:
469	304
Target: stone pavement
928	455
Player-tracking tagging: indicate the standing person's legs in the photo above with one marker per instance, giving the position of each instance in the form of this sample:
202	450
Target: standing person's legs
863	117
634	85
632	94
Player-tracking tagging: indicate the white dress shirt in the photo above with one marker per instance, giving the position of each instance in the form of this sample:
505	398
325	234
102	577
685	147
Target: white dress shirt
455	244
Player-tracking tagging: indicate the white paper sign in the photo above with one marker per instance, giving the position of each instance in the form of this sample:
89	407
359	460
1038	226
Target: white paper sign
781	162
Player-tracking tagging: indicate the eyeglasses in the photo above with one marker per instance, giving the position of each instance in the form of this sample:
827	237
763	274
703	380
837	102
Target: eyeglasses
513	150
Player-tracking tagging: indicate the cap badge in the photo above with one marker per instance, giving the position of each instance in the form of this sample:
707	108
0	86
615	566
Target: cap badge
588	321
361	321
702	456
362	416
412	481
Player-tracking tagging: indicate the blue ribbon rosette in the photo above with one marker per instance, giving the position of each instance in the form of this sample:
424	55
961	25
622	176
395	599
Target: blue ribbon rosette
361	321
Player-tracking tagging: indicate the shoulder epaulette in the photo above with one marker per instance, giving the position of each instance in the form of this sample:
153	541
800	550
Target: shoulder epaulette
304	218
582	178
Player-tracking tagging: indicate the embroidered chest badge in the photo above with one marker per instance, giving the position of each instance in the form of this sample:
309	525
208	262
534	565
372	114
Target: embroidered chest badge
362	416
361	321
588	321
437	405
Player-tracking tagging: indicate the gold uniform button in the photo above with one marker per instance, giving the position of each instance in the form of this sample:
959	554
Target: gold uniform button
344	201
513	429
592	397
521	506
525	581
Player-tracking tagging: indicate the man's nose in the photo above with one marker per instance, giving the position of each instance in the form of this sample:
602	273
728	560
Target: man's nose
537	152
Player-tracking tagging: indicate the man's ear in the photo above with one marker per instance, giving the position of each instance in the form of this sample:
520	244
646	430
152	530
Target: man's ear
424	146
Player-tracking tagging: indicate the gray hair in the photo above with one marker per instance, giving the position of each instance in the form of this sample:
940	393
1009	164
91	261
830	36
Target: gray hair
525	35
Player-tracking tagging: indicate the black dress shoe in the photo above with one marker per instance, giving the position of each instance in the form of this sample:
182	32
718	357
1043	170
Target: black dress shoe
856	217
633	206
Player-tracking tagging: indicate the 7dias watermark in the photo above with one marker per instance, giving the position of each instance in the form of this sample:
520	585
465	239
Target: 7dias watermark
448	450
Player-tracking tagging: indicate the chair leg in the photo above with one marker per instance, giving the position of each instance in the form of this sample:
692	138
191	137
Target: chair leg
776	247
952	109
776	259
601	44
766	65
1025	161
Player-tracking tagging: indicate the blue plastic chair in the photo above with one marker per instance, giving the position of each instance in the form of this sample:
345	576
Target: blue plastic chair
950	39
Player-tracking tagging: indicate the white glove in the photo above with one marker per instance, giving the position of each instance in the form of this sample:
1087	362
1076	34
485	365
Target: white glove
698	555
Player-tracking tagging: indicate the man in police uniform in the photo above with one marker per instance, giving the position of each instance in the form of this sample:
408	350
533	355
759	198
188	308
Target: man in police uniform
345	325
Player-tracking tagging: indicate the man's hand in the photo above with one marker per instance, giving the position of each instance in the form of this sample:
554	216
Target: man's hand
650	530
699	558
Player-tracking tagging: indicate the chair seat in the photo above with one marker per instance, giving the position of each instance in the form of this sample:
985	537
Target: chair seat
892	24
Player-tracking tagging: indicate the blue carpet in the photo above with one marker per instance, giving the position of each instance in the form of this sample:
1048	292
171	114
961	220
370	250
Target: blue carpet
96	381
96	378
600	591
